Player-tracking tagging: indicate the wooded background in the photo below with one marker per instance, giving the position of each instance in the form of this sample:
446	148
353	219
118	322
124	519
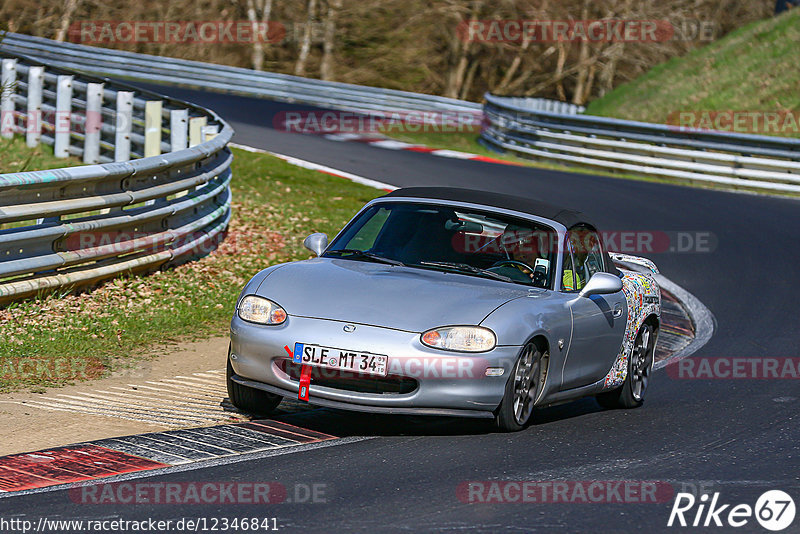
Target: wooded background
413	44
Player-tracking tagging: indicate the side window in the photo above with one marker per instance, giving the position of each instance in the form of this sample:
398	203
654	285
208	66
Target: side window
587	252
570	280
365	237
594	257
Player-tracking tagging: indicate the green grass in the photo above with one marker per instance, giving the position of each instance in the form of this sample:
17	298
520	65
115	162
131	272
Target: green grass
755	68
275	206
16	156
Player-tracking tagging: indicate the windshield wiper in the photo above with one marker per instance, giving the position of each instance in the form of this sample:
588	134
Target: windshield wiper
466	268
364	254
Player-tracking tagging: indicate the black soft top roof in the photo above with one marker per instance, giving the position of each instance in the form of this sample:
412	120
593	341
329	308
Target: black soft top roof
530	206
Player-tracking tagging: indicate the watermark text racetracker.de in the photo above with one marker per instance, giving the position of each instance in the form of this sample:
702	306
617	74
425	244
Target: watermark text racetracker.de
379	121
564	491
735	368
107	32
622	241
599	31
761	122
202	493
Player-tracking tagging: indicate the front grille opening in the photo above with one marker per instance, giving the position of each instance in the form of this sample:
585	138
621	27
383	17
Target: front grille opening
349	381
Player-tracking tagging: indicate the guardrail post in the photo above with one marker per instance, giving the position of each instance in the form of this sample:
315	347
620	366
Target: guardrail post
62	120
33	121
152	128
178	129
122	137
8	88
196	130
152	132
210	132
94	121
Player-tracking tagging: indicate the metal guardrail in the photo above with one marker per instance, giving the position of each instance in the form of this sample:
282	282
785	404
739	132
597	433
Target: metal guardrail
740	161
543	104
283	87
75	226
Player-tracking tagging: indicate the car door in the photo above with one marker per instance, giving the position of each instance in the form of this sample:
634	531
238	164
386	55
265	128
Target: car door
598	321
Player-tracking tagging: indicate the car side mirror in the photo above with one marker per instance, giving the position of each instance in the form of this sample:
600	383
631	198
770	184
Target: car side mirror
601	284
316	243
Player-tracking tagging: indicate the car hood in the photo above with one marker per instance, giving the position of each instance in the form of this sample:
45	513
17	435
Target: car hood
402	298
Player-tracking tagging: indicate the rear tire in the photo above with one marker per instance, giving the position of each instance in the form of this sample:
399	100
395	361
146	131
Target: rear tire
522	390
250	400
640	366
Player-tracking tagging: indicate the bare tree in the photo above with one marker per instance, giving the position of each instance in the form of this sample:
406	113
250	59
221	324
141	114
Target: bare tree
329	39
583	56
260	29
414	44
305	45
66	18
461	47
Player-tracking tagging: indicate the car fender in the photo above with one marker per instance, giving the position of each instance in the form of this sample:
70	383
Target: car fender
251	287
540	314
643	296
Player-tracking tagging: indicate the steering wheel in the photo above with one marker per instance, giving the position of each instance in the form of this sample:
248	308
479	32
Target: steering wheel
522	266
539	278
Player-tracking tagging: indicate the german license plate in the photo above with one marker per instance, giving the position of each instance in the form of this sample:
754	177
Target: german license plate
340	359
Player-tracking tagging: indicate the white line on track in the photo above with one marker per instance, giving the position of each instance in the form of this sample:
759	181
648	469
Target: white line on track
318	167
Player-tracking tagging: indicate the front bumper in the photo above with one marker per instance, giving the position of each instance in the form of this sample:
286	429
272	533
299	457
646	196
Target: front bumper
431	381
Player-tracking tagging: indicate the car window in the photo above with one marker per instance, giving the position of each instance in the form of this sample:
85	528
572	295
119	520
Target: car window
364	237
419	234
587	254
571	279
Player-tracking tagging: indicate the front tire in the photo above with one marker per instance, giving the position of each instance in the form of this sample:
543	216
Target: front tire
522	390
250	400
640	366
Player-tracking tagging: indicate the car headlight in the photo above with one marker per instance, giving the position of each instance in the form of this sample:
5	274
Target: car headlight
260	310
460	338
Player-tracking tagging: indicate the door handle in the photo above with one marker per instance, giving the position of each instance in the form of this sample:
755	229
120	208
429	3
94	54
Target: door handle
617	309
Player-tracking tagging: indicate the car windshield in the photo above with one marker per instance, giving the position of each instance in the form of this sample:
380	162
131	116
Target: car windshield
430	236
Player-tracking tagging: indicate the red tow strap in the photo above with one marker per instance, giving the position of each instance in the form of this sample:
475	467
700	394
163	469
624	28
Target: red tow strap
305	378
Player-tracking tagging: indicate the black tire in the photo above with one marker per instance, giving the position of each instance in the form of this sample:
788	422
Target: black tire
250	400
640	365
522	390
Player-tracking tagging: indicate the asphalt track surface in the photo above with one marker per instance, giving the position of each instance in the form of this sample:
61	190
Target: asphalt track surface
736	437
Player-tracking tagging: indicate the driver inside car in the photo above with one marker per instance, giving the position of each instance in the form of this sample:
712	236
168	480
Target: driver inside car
521	248
571	279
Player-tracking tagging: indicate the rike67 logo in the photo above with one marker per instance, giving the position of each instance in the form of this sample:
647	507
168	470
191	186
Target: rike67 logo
774	510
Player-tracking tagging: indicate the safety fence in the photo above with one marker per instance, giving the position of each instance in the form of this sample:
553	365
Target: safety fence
704	156
154	190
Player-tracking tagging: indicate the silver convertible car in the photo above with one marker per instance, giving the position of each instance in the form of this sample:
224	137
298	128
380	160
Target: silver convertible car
452	302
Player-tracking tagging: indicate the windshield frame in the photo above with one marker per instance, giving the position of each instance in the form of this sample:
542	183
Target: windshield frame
559	229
